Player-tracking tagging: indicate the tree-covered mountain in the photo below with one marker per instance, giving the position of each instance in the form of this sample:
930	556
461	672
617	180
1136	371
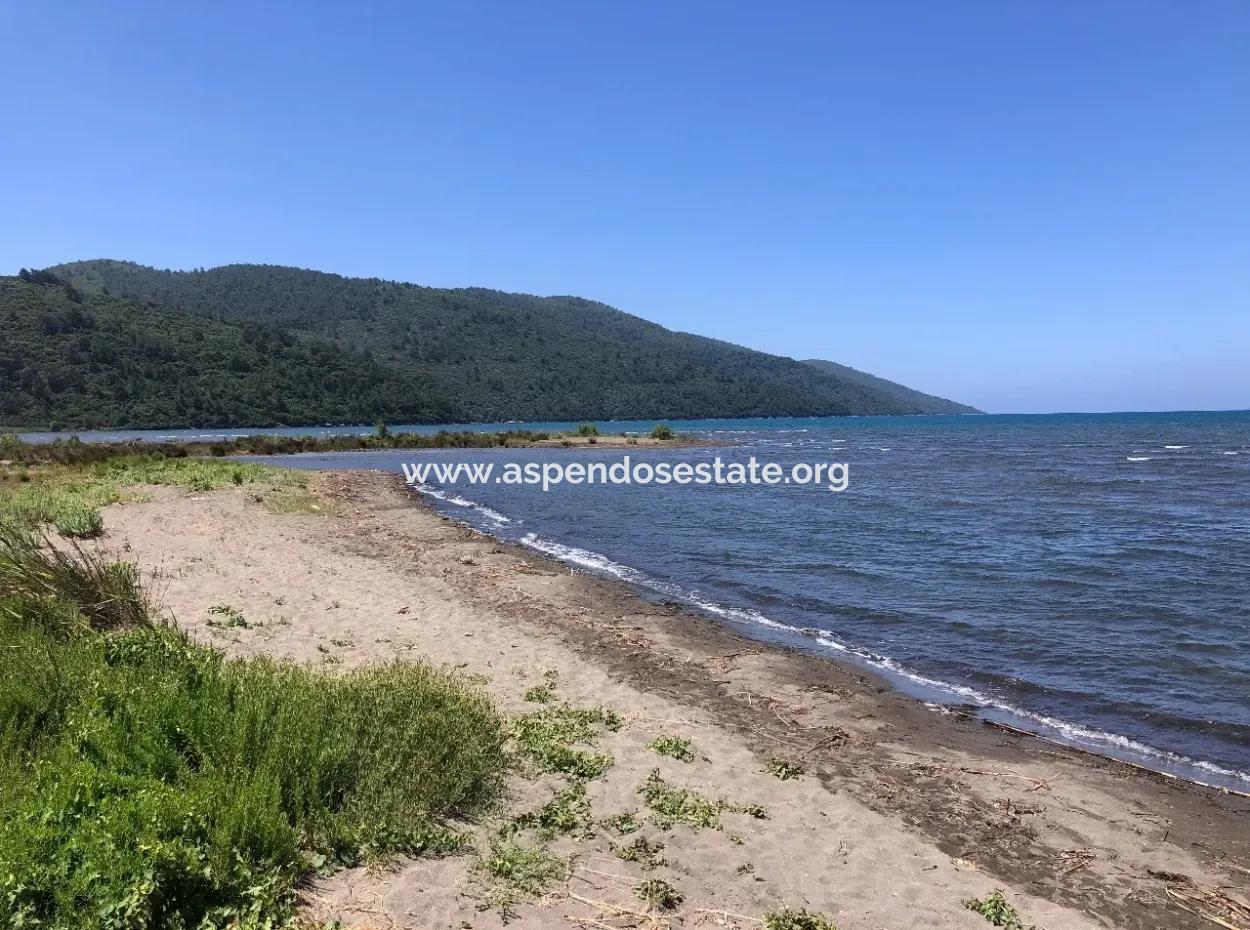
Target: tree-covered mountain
880	387
80	360
500	356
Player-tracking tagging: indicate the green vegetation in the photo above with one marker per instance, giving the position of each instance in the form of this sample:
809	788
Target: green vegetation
550	739
223	615
659	894
148	782
997	910
567	813
79	360
624	823
478	355
649	855
796	919
675	747
785	769
890	392
544	693
661	431
73	451
670	804
588	429
79	520
69	498
515	871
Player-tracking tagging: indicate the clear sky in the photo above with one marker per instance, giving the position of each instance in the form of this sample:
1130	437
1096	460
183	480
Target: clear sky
1021	204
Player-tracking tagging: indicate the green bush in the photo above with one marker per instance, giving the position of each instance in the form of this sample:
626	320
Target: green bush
146	781
661	431
79	521
588	429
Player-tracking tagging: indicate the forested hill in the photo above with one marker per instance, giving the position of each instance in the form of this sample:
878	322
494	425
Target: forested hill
77	360
900	393
499	356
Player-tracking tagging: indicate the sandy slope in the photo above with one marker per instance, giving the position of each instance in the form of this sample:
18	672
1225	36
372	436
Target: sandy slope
904	813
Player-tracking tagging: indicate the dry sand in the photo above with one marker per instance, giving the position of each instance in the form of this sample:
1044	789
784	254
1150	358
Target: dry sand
904	813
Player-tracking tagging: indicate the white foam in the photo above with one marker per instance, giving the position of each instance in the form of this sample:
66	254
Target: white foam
446	496
1176	447
1097	740
1138	458
1228	453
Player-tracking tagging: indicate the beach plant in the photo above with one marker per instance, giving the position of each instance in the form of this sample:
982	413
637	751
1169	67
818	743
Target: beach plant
79	521
785	769
662	431
587	429
646	853
670	804
997	910
551	737
83	588
675	747
543	693
148	781
788	918
567	813
69	497
223	615
658	894
515	871
623	824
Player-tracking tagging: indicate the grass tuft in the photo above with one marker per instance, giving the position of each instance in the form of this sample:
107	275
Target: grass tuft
78	521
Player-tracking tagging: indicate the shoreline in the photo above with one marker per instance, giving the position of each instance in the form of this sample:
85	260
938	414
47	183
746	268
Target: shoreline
944	696
1061	826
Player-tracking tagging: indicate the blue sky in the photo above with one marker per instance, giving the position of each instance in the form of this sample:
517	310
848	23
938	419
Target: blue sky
1027	206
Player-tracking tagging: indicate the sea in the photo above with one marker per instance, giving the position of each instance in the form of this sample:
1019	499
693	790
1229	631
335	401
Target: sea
1084	576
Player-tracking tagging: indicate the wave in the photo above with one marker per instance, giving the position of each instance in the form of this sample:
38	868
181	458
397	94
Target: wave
1103	741
439	494
1174	448
1137	458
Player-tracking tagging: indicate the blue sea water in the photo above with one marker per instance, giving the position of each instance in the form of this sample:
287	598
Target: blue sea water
1085	575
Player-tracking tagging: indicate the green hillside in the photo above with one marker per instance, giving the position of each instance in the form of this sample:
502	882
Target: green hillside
901	394
83	360
499	356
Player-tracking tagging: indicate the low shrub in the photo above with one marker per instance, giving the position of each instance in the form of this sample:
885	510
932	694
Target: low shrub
146	781
79	521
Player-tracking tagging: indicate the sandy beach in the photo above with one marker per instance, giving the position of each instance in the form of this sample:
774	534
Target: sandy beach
903	812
